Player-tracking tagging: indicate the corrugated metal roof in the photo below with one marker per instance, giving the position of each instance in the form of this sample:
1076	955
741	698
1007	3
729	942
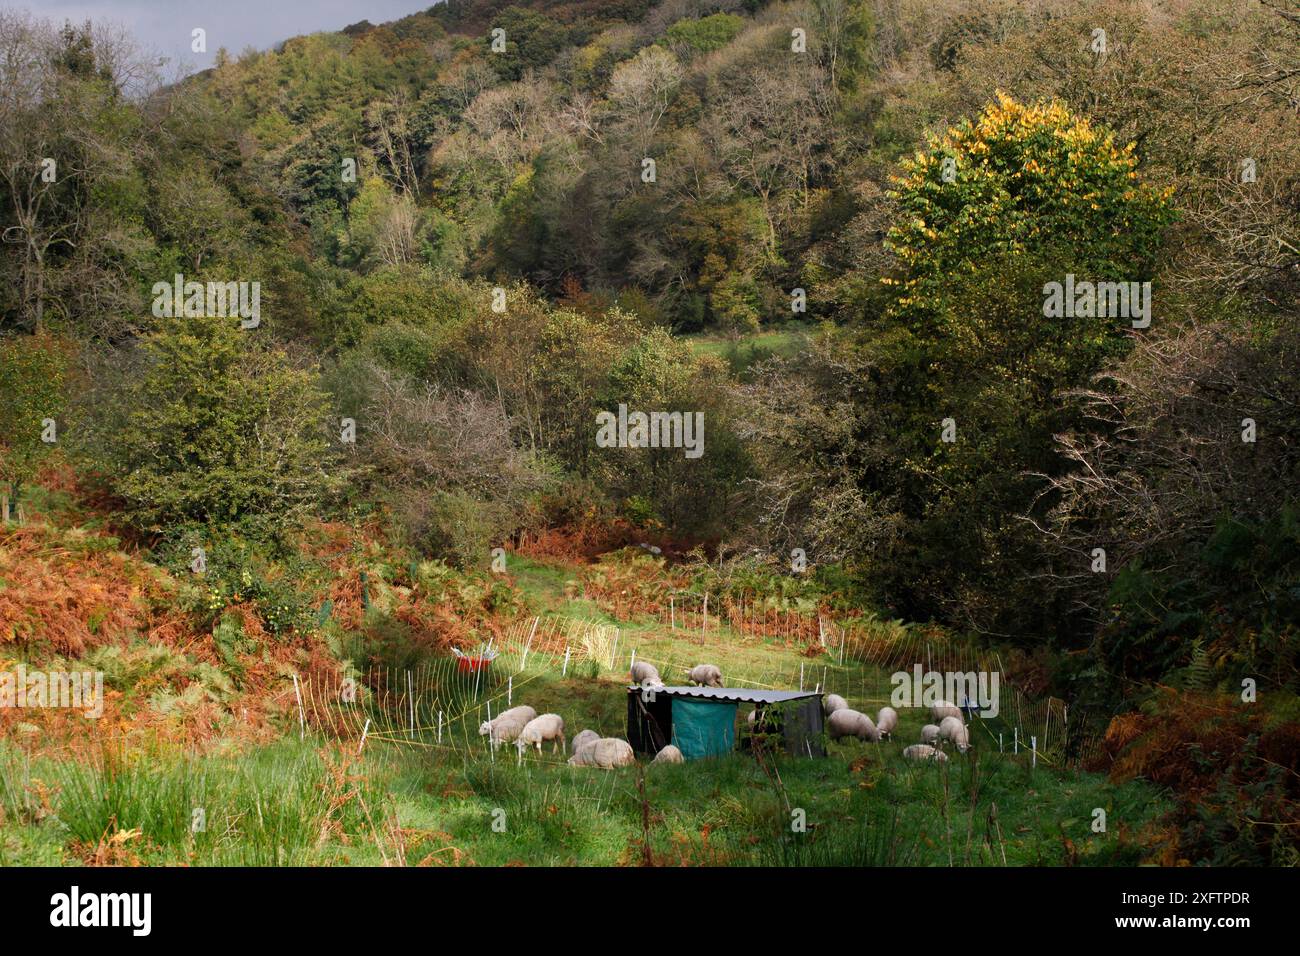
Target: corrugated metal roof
733	694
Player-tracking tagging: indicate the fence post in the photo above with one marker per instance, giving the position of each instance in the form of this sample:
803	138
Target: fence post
510	691
672	612
565	671
1016	736
439	726
1033	752
301	719
523	662
364	730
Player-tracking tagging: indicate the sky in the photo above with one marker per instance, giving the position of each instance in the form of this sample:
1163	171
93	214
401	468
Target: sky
164	26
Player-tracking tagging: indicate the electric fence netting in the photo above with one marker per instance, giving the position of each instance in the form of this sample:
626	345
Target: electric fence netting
442	702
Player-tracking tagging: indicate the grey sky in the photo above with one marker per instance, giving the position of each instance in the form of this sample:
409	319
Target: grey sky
164	26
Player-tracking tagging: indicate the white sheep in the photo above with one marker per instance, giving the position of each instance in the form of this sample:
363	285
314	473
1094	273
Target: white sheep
506	731
645	674
924	752
669	754
505	726
582	739
606	753
930	734
706	675
851	723
545	727
887	722
943	709
952	729
834	702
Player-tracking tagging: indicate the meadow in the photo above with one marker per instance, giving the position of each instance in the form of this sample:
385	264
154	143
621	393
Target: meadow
421	790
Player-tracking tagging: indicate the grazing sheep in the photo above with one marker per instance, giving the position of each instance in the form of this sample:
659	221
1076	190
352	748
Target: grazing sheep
669	754
706	675
643	673
943	709
924	752
950	728
545	727
834	702
505	731
886	722
584	738
606	753
851	723
930	734
500	726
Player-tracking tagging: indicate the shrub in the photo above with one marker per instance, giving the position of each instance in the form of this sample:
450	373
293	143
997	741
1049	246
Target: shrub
32	368
220	429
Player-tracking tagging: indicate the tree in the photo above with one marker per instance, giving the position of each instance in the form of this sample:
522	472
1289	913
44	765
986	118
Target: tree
220	428
641	90
1021	181
32	370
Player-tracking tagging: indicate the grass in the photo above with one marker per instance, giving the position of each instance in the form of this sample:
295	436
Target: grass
410	800
413	797
783	340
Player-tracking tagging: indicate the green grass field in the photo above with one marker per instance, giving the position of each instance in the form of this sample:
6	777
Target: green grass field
410	799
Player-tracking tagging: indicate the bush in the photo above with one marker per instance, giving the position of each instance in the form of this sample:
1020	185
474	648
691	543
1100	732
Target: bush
220	429
32	369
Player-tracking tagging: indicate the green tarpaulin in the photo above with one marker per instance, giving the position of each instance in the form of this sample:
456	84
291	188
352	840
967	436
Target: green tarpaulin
703	728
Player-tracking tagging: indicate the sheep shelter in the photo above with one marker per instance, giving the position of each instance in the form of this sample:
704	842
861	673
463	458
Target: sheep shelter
701	721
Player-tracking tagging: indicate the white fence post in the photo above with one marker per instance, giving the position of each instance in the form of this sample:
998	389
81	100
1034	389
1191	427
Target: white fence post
301	718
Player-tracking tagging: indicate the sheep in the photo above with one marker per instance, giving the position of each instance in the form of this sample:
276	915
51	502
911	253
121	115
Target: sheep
582	739
943	709
643	673
851	723
545	727
924	752
950	728
834	702
505	731
930	734
669	754
886	722
706	675
499	727
606	753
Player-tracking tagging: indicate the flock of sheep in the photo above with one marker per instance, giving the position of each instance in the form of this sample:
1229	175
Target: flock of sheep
523	727
843	721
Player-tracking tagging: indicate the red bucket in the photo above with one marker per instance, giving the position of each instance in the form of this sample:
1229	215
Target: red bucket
468	665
